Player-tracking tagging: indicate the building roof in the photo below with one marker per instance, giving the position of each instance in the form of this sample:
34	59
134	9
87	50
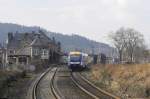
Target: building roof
21	42
40	41
24	51
19	39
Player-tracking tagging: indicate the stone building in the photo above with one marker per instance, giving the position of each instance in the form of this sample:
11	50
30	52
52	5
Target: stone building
25	48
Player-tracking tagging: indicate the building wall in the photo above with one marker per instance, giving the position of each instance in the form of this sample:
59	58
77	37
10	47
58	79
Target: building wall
42	52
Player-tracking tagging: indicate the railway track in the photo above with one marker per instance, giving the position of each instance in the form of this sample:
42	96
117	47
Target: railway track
90	88
37	87
55	93
60	83
66	88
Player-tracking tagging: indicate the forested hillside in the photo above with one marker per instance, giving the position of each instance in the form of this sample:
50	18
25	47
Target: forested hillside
69	42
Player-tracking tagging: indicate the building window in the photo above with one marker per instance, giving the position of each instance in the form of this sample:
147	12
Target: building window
36	51
44	52
12	51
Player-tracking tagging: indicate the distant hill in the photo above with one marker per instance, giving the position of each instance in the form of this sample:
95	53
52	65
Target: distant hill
69	42
9	27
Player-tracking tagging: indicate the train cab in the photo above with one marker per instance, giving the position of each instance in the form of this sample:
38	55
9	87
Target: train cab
77	60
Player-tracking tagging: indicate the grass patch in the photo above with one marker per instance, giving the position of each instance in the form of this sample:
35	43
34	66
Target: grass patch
127	81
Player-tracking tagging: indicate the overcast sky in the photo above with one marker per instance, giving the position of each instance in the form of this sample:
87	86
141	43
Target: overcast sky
91	18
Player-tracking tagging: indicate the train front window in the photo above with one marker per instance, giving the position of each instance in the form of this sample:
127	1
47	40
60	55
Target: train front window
75	58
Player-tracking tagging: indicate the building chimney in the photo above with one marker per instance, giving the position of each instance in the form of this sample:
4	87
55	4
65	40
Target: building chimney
10	37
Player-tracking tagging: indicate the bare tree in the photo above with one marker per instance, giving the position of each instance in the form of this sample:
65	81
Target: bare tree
134	41
127	41
147	55
119	40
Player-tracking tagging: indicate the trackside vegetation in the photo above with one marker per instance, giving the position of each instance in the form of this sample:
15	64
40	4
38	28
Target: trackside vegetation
127	81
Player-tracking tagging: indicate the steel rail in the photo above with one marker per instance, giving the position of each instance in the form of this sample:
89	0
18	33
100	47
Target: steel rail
36	83
101	91
98	88
55	93
82	88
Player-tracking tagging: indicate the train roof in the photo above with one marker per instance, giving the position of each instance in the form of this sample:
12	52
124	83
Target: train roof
74	52
77	53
